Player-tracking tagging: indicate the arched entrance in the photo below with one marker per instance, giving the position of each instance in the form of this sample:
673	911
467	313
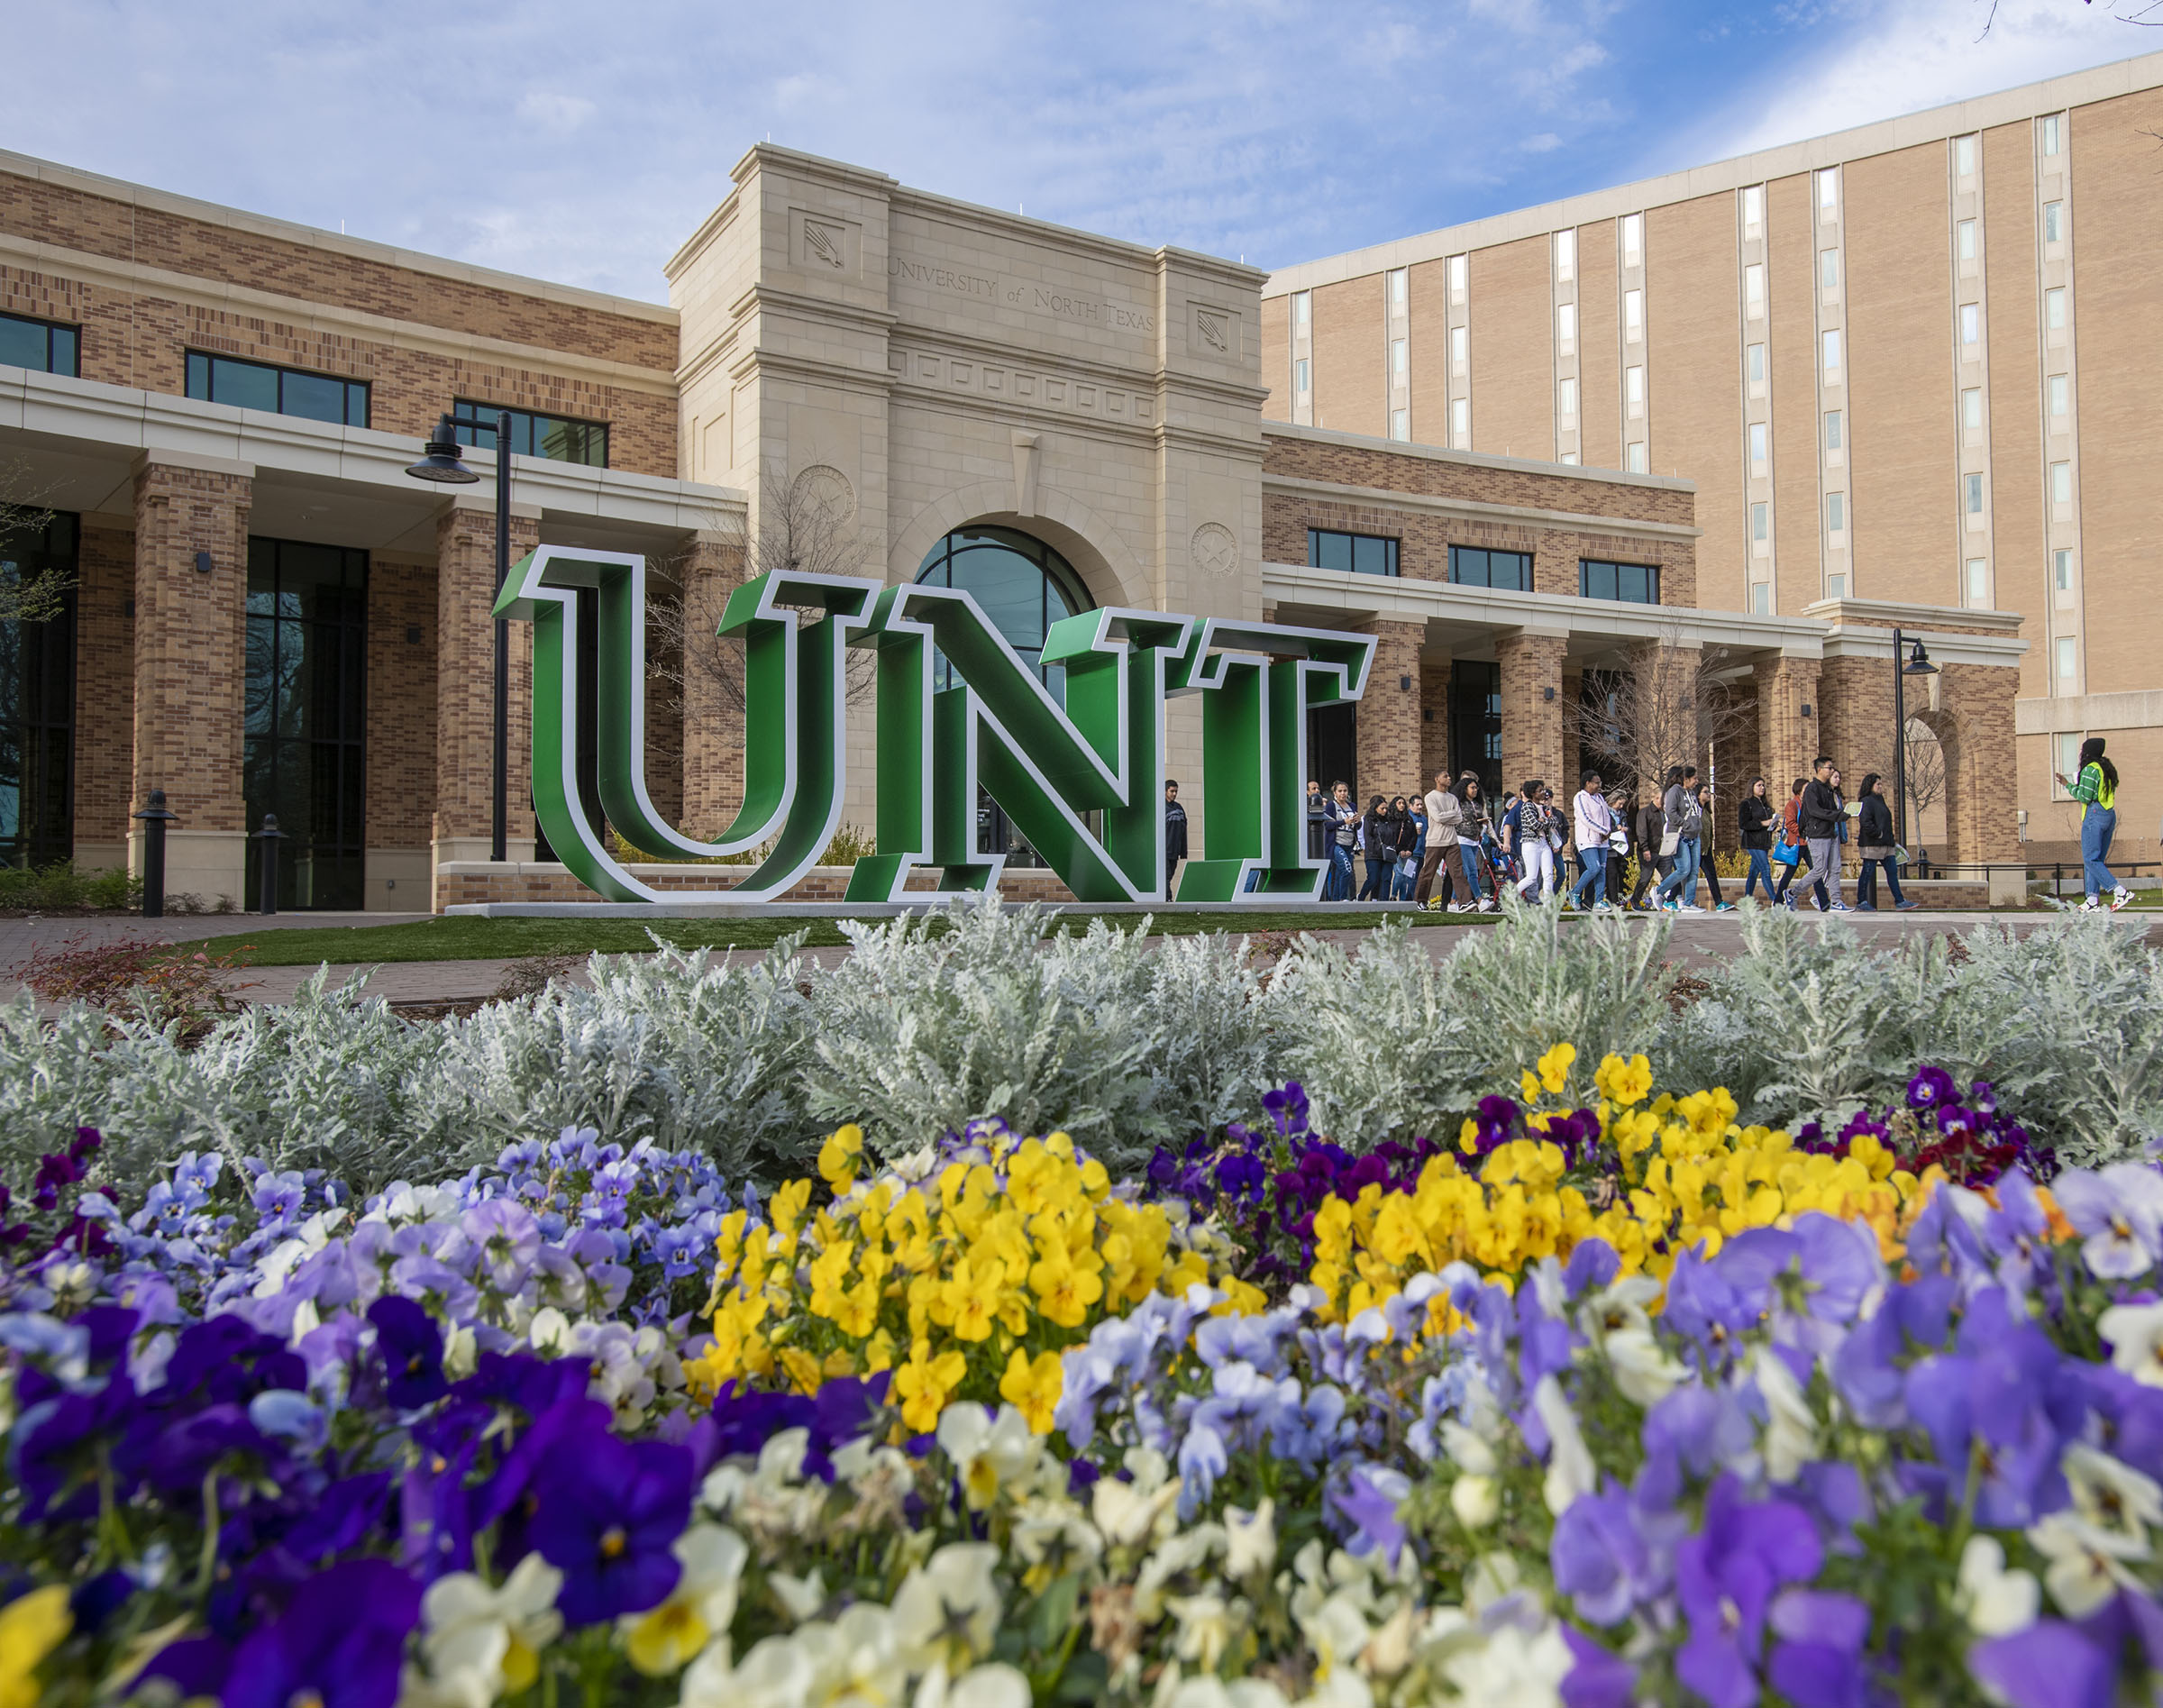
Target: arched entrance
1023	586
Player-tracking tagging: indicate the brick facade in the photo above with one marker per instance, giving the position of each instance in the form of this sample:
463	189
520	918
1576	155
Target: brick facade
1530	676
1786	740
1388	730
105	670
399	811
465	677
711	738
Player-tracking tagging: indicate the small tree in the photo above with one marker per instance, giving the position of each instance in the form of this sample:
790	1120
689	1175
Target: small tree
805	524
1670	707
1925	758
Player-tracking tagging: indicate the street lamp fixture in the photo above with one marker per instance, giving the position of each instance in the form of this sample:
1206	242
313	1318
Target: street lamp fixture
1916	663
440	464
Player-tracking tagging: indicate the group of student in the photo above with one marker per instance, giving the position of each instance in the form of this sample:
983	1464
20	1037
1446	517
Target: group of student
1408	842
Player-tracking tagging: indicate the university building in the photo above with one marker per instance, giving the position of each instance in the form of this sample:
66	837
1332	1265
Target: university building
209	414
1912	363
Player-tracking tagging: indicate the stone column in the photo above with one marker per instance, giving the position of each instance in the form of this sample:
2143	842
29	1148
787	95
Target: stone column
465	686
1975	701
105	715
1787	740
711	565
1530	676
1573	759
1433	720
191	600
1388	718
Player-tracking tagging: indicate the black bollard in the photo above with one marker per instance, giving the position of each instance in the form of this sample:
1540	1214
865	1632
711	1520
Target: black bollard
156	817
270	836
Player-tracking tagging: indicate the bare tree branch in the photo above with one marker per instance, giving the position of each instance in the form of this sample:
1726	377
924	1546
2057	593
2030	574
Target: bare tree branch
805	524
1670	707
25	515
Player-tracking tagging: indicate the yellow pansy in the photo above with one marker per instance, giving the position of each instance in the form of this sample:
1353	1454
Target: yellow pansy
1555	1067
925	1383
31	1627
1032	1389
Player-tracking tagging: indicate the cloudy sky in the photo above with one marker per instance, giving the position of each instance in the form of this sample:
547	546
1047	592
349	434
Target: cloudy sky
583	143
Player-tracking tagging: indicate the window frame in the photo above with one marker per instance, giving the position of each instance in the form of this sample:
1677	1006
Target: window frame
209	359
1461	566
466	425
54	329
1589	574
1391	545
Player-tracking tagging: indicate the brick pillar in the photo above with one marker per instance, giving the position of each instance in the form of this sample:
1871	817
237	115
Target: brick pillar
1974	702
1388	720
465	678
402	683
1786	740
191	667
1855	718
711	567
1530	675
1571	691
105	717
1433	720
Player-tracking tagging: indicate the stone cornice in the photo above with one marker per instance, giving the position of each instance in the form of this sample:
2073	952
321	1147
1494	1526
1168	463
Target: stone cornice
1476	510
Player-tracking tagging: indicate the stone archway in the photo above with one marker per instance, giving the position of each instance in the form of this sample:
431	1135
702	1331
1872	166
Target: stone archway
1933	746
1092	546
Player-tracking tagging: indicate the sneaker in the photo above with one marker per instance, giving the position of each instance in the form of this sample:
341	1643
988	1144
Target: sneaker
1841	907
1791	904
1493	904
2090	906
2120	897
1689	907
1866	907
1905	907
1725	907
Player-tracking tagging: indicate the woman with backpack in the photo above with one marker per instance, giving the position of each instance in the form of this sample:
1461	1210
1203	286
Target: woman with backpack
2096	787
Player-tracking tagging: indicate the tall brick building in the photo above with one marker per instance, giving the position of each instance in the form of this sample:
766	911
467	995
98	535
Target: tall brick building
209	414
1912	363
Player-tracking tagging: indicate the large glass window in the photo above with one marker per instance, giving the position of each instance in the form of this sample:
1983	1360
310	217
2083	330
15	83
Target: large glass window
1635	583
281	391
1361	553
556	437
1474	566
48	345
1023	586
305	719
37	701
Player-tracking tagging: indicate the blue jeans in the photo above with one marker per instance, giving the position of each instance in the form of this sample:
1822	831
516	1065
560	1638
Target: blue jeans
1339	887
1408	874
1866	884
1468	856
1593	877
2097	826
1761	866
1684	875
1378	879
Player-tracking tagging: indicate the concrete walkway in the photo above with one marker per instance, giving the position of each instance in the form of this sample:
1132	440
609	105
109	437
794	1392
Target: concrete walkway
423	986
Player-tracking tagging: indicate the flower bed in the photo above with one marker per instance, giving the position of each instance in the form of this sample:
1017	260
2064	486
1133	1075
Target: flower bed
1605	1397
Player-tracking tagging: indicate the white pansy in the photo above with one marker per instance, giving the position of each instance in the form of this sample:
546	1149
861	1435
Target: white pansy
1477	1501
1469	1451
1209	1692
482	1640
1994	1601
801	1597
1206	1627
1179	1553
1051	1532
1791	1429
698	1610
857	1657
2111	1494
778	1673
949	1602
549	1333
2136	1336
990	1453
1644	1371
1623	1304
1514	1669
1337	1631
1127	1514
1570	1472
2086	1565
1250	1539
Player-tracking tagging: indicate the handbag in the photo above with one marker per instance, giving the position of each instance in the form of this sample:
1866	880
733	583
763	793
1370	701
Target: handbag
1786	853
1618	842
1669	842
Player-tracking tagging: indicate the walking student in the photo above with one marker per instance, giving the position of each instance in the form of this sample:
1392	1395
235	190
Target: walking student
1342	818
1820	815
1414	844
2097	787
1445	812
1593	821
1471	856
1708	867
1874	846
1682	821
1378	842
1754	819
1620	802
1175	832
1649	830
1534	841
1790	852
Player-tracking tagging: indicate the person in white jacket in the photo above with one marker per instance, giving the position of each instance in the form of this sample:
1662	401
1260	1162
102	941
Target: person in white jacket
1594	822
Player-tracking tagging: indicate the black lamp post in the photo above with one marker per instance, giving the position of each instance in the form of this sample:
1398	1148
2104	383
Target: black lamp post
440	464
1918	664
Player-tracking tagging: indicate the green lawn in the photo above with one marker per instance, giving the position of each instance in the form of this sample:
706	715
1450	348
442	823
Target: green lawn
461	937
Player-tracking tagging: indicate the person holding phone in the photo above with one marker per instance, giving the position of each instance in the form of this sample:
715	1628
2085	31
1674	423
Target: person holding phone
2096	789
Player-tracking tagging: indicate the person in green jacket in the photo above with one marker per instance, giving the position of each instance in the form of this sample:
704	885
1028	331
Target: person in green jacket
2097	787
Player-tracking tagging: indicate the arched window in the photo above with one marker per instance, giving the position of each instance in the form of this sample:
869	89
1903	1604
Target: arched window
1022	584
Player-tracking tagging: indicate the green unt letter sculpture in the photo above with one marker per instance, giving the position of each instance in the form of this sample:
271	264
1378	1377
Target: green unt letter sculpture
1047	765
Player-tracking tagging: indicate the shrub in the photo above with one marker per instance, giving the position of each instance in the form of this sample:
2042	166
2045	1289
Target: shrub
59	888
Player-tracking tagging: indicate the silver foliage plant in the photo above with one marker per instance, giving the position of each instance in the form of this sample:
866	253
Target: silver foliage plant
931	1021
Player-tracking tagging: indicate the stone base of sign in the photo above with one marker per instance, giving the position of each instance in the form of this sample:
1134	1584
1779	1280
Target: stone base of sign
463	884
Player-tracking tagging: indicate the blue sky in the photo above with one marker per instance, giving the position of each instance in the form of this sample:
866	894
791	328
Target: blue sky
583	144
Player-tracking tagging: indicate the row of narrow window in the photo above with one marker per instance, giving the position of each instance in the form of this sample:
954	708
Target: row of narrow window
1479	566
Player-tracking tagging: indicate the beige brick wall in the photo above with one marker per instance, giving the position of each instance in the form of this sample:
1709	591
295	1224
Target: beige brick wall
400	806
1791	292
1388	721
1275	322
73	218
2022	557
1900	377
1427	303
1786	740
1512	350
711	790
104	676
1529	665
1433	720
465	579
2118	310
1599	347
1380	466
189	631
1693	315
1351	390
